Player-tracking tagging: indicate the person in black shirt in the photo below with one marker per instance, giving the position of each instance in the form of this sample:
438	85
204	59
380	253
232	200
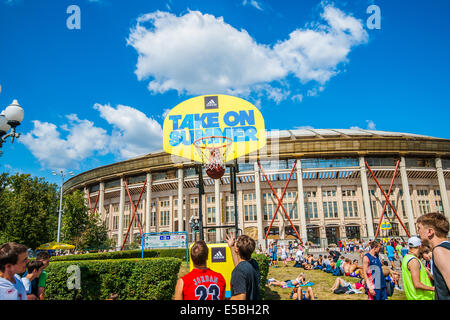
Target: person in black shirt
433	229
245	278
334	254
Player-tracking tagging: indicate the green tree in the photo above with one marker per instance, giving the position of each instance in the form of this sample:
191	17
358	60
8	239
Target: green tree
28	209
75	217
80	228
96	234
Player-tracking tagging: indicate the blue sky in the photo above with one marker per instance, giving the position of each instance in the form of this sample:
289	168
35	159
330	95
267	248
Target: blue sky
98	95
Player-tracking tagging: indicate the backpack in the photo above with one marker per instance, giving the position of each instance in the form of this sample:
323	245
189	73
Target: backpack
389	288
341	290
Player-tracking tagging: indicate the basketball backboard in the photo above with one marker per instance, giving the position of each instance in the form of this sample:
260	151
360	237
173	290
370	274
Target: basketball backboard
211	122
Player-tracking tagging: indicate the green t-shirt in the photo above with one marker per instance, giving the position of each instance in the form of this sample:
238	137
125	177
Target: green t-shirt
338	263
411	292
42	279
399	249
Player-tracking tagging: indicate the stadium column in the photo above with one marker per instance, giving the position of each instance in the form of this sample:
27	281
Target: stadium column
443	189
101	201
341	228
121	213
366	199
217	209
301	202
240	210
259	214
180	199
407	197
322	233
148	202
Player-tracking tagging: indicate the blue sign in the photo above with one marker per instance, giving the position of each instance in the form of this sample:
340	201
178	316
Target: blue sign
156	240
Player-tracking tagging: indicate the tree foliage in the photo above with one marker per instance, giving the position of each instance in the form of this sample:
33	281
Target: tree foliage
80	228
28	209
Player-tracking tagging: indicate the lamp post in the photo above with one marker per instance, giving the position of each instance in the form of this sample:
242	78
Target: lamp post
10	118
62	174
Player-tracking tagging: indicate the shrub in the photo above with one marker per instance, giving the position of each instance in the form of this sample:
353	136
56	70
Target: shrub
263	263
131	279
127	254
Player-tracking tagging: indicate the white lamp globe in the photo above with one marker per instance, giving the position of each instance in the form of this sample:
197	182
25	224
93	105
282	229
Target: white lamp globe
14	114
4	126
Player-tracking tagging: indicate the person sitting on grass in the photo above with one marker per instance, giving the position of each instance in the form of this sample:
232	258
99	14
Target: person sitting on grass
326	264
355	269
346	266
298	293
341	283
307	265
288	283
335	270
298	258
319	263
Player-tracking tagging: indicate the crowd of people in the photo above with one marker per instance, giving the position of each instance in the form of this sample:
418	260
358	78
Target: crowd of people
20	278
424	268
378	275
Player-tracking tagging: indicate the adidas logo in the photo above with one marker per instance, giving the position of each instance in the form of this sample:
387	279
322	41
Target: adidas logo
211	103
219	255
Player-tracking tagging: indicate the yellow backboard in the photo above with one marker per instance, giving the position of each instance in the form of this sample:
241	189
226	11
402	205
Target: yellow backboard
213	116
219	260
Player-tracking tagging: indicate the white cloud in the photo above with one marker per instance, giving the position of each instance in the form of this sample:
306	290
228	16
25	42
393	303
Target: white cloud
53	151
252	3
198	53
132	134
297	97
370	125
303	127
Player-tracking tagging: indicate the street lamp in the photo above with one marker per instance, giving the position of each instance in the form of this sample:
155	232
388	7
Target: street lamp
62	174
10	118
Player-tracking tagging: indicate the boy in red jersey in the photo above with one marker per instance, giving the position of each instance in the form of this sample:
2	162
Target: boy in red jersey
201	283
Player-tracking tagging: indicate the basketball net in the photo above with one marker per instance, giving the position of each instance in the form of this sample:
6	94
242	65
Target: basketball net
213	154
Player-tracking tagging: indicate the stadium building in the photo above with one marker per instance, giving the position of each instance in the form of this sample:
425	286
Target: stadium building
331	195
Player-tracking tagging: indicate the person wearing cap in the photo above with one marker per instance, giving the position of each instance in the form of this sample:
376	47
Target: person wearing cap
416	282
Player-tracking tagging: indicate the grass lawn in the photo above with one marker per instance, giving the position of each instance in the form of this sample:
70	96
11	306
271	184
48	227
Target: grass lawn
322	284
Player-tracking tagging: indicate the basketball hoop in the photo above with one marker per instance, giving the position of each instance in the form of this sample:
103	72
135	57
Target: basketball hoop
213	151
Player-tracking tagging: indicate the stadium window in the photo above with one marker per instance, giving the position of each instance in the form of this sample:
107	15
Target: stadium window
374	209
211	215
424	206
439	206
325	209
437	193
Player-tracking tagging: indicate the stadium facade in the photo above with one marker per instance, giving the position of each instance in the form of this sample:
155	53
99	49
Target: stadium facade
331	195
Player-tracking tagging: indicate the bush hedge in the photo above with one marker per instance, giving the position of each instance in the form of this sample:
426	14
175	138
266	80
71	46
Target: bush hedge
127	254
130	279
263	263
